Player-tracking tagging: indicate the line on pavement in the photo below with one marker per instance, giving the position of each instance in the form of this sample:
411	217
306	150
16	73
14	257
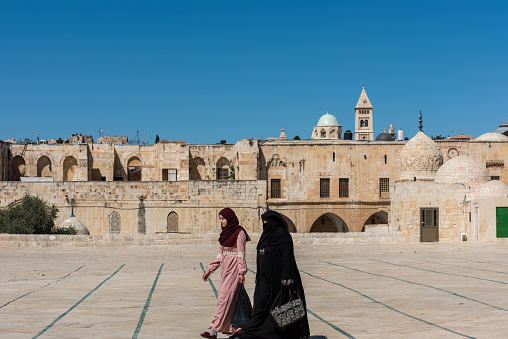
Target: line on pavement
389	307
76	304
324	321
446	273
469	268
147	304
53	282
419	284
210	281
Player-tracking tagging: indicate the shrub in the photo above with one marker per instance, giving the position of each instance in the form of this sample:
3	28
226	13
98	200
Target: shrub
30	215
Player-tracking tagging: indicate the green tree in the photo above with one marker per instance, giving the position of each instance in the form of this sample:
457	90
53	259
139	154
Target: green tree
296	137
438	137
231	175
156	138
30	215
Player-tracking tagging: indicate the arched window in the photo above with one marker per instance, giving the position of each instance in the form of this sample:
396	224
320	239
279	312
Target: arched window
361	123
172	222
114	222
44	167
18	168
323	133
366	123
197	169
70	168
134	169
222	168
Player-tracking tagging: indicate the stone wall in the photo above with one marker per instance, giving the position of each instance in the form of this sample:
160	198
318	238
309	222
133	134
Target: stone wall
4	160
408	197
144	207
494	155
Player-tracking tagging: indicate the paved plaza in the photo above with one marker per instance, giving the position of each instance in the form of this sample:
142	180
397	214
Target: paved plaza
423	290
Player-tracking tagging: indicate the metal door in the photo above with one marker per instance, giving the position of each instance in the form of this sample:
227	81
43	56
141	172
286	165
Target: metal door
502	222
429	224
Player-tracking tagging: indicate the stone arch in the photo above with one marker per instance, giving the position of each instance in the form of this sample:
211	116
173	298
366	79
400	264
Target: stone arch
134	169
378	218
70	169
115	222
222	168
197	171
323	133
329	222
289	222
172	226
18	166
361	123
44	167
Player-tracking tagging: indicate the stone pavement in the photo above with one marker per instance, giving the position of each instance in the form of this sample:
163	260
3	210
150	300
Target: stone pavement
423	290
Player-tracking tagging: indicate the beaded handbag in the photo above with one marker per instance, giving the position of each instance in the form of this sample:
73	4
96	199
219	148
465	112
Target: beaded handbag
289	313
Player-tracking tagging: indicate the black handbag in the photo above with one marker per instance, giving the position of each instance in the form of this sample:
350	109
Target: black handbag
290	312
242	311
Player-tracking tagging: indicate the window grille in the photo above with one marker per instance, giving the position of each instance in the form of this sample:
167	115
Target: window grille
343	187
494	177
275	192
222	174
384	187
324	187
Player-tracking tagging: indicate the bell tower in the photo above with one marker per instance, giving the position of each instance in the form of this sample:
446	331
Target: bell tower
364	125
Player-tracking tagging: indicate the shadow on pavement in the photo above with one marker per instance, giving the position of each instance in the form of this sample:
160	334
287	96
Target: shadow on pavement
318	337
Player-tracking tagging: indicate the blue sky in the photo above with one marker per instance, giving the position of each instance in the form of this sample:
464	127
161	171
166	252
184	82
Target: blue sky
202	71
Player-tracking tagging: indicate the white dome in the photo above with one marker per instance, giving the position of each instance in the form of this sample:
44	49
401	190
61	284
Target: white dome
463	169
420	158
328	120
492	136
78	225
493	188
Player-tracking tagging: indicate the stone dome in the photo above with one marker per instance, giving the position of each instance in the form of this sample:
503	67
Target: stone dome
463	169
493	188
77	224
385	137
492	136
503	128
420	158
328	120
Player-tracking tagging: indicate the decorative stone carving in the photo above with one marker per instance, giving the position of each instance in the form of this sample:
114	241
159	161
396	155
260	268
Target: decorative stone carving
276	161
172	222
114	222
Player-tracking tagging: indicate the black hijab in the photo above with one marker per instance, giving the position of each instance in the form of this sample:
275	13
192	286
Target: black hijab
275	230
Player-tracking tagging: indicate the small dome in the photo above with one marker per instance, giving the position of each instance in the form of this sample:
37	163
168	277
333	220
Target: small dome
385	137
420	158
463	169
493	188
492	136
78	225
328	120
503	128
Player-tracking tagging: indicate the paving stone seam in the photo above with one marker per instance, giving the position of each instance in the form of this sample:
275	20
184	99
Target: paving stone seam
390	307
418	284
76	304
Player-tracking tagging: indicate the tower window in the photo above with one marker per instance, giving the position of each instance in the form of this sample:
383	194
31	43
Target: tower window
361	123
275	192
384	187
366	123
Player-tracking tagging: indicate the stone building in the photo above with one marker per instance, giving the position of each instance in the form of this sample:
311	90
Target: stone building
325	184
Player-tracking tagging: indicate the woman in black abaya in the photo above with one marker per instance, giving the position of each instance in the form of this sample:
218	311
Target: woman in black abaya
276	269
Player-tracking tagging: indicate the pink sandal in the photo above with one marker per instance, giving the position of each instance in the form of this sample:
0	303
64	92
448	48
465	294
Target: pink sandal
208	334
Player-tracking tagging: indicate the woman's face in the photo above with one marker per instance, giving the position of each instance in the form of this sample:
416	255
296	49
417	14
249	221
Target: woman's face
223	221
265	221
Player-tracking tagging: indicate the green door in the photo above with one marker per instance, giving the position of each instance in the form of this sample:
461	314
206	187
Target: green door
502	222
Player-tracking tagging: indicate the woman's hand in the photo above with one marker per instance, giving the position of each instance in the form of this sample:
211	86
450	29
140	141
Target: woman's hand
206	275
241	279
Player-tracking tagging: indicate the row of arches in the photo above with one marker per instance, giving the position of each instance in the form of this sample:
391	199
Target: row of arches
198	169
332	223
44	168
115	222
364	123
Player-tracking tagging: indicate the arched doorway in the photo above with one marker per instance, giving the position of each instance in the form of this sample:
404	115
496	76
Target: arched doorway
329	222
172	222
134	169
291	225
18	168
376	219
197	169
44	167
70	168
222	168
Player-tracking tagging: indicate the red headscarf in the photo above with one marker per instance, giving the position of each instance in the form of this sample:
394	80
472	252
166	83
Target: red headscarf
231	230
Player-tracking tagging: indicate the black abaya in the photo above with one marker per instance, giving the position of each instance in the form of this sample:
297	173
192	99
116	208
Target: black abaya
275	263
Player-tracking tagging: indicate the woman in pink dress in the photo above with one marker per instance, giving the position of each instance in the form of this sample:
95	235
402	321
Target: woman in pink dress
231	259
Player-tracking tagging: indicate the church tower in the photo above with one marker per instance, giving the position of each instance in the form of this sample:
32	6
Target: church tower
364	129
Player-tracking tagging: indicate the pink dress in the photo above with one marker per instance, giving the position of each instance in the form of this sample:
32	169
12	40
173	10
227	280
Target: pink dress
232	263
